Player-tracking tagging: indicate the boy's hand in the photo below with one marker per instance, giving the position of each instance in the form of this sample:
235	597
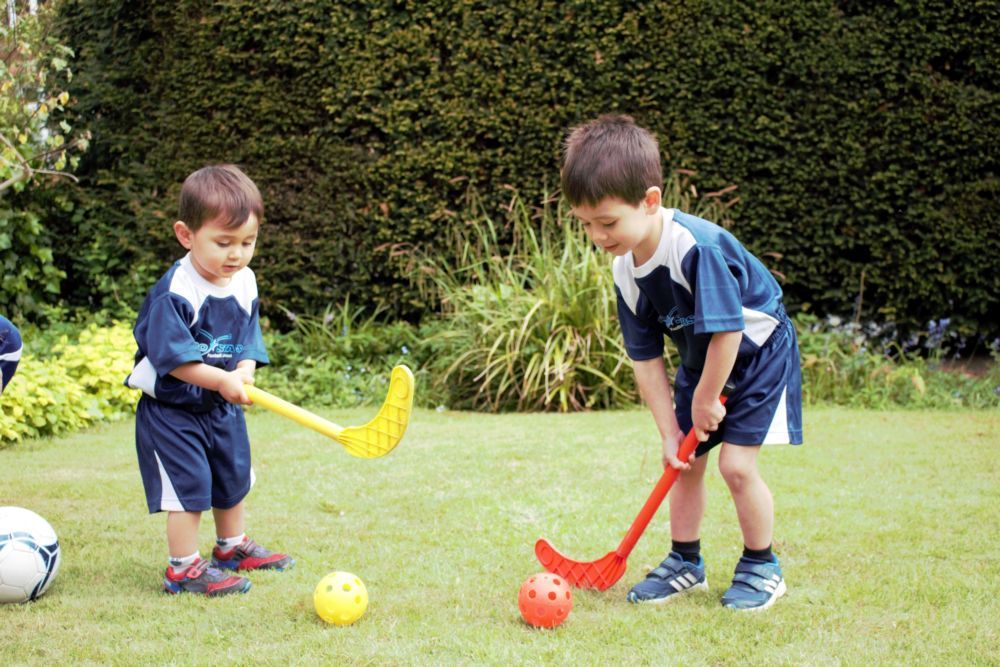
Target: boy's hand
671	444
231	386
706	416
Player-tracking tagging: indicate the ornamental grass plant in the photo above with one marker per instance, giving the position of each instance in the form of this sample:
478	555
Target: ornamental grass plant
528	309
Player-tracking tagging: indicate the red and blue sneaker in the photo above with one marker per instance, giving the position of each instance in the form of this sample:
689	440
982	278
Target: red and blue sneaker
200	578
250	556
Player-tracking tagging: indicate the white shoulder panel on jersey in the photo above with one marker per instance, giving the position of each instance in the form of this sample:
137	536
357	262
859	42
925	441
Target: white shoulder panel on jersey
184	284
621	268
191	286
681	242
244	288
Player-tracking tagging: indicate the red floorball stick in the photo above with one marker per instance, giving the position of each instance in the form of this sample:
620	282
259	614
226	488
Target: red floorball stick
605	571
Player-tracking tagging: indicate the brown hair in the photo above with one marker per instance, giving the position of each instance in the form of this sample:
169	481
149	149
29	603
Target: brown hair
219	190
610	156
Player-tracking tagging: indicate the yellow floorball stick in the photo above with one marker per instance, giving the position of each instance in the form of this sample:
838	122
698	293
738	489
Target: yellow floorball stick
376	438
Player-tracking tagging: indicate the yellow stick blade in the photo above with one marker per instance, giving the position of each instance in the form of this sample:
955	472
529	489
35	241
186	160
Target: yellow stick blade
379	436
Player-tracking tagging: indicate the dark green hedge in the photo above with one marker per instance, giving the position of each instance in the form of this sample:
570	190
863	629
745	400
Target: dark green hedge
863	135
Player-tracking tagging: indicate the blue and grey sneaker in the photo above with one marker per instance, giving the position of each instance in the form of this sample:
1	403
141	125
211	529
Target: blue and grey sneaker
756	585
674	577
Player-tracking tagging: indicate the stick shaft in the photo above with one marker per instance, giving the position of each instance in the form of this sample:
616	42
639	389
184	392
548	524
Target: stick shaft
293	412
667	479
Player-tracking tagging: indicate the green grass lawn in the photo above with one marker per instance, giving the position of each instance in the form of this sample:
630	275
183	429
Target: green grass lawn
887	529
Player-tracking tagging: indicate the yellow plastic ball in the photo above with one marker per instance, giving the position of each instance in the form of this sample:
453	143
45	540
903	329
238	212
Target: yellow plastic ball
340	598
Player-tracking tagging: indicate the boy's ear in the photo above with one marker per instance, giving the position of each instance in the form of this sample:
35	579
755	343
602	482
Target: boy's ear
184	234
652	200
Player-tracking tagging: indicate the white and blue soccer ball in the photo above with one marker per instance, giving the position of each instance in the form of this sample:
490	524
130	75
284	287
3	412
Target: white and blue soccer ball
29	555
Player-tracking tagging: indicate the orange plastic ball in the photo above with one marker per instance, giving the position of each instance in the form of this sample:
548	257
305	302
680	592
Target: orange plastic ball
545	600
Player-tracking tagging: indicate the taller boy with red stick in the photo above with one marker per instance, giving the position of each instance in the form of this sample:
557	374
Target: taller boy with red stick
688	278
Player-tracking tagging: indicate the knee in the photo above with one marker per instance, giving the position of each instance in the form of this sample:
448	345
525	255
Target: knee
737	472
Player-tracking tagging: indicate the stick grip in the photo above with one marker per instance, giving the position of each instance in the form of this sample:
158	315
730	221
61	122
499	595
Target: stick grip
667	479
292	411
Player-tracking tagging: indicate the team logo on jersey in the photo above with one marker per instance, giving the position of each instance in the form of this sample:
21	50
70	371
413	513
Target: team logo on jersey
217	348
673	321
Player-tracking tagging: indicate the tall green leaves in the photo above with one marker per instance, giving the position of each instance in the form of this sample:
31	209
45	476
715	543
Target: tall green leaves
528	308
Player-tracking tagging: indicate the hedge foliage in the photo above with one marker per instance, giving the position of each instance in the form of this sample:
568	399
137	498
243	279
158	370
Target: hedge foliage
862	135
77	383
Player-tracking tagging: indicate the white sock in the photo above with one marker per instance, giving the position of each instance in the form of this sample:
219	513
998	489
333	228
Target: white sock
229	543
178	565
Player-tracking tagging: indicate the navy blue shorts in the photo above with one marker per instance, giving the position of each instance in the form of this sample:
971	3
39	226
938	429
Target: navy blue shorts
192	462
765	405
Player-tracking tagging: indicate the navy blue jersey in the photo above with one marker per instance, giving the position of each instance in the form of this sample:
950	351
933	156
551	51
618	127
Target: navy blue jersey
10	351
699	281
185	318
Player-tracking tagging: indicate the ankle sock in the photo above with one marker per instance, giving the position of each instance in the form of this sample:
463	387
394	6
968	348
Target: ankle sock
759	554
227	544
179	564
689	551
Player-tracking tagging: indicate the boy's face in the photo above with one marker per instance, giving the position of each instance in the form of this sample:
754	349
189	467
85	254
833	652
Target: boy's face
619	227
217	251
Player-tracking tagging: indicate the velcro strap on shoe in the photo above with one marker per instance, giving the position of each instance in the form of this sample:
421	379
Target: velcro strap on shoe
758	583
661	573
763	570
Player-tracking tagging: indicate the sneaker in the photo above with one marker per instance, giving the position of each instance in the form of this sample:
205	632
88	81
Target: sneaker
674	577
250	556
756	585
200	578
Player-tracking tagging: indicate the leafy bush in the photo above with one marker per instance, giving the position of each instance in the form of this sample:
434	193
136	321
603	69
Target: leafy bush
75	384
843	365
36	146
339	358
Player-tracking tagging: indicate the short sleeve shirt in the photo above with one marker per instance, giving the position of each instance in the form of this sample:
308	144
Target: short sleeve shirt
10	351
185	318
699	281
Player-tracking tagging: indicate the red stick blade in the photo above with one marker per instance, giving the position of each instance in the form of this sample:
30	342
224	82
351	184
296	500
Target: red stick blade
600	574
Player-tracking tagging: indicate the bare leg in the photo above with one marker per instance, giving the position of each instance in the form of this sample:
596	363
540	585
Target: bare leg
752	498
229	522
182	533
687	502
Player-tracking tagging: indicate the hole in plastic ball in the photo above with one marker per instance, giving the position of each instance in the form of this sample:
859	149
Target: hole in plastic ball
357	599
557	582
347	587
329	588
531	594
552	595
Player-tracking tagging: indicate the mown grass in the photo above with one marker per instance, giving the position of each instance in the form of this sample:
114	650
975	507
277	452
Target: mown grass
886	527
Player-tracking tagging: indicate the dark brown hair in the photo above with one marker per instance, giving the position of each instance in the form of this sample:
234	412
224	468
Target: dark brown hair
610	156
219	190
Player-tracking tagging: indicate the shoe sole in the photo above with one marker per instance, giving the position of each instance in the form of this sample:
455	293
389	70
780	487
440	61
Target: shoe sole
171	590
223	565
700	586
778	592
